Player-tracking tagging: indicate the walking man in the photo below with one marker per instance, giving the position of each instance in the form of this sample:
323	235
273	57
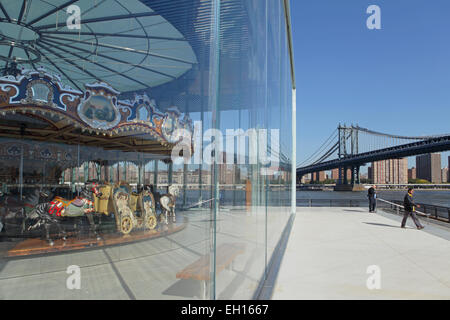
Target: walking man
372	194
410	208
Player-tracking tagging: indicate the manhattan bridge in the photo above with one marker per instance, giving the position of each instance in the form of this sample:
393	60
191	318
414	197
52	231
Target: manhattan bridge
350	147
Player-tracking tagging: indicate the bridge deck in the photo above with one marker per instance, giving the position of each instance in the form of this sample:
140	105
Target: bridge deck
329	250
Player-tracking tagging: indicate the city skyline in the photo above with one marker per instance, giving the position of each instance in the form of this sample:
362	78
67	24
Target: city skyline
394	171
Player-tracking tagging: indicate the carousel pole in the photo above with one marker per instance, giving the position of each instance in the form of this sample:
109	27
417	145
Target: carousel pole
106	166
99	170
44	174
86	172
170	173
22	133
78	169
140	174
21	172
155	176
125	167
72	180
143	173
184	183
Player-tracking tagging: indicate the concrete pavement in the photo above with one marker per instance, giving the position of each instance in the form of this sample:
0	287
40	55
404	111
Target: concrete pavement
330	249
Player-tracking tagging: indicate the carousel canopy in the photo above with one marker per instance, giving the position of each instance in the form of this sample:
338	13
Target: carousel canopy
59	84
122	42
36	105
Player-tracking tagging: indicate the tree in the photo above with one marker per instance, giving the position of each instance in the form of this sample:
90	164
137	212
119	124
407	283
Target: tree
418	181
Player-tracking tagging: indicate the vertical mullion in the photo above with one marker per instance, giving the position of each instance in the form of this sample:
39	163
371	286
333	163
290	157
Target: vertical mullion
214	69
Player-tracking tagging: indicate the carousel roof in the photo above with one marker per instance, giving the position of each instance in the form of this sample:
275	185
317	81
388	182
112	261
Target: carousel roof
37	105
121	42
59	84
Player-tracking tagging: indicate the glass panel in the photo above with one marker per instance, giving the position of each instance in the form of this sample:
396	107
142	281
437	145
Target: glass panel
91	194
254	106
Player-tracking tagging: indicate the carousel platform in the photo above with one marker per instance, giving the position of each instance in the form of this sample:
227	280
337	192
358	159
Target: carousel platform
37	246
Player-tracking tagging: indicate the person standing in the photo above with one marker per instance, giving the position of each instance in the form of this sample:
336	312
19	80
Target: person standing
410	208
372	194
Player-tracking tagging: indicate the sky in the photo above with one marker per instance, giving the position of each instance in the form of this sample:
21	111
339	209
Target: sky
394	80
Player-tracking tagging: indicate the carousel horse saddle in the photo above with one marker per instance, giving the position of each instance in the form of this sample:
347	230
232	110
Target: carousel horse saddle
78	202
63	207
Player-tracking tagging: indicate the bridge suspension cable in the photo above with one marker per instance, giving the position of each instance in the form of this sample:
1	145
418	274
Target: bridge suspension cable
322	148
355	140
332	150
397	136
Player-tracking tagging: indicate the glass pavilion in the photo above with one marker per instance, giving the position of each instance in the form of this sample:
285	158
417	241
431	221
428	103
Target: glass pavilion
98	95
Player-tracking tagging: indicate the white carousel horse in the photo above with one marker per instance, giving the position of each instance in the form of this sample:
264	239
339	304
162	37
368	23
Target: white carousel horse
167	202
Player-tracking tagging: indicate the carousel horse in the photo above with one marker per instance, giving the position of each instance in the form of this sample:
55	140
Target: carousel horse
11	208
32	201
49	213
42	217
168	202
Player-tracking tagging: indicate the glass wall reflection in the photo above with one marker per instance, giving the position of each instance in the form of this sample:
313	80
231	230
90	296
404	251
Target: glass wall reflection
112	203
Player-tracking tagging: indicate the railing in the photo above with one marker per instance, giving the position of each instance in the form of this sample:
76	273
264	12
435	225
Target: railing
332	203
440	213
397	207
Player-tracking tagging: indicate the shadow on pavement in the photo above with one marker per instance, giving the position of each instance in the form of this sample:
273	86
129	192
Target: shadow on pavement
382	225
186	288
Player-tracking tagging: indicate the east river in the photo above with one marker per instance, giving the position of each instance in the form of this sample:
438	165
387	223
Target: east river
281	197
437	198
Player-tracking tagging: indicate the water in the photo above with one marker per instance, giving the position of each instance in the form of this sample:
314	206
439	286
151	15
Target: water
437	198
281	197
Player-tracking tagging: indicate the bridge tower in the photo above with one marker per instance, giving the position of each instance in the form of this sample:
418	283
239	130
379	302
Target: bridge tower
348	146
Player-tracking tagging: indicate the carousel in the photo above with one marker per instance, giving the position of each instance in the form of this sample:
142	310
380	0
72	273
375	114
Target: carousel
69	119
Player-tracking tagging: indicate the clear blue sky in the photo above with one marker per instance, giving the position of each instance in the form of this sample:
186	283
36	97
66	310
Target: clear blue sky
394	80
